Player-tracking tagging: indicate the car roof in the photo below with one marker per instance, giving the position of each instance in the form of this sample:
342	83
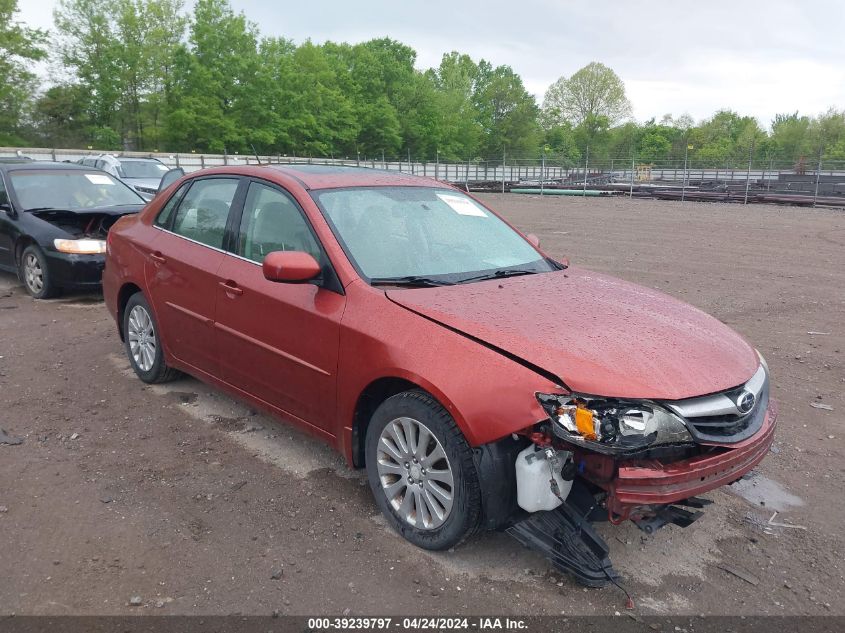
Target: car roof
136	159
38	164
332	176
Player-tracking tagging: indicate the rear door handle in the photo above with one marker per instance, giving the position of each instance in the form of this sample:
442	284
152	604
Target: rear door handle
157	257
232	288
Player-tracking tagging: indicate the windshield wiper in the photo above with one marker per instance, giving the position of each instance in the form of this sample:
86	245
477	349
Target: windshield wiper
43	209
409	280
501	273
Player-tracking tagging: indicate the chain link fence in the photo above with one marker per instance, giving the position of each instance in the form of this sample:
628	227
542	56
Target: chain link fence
803	182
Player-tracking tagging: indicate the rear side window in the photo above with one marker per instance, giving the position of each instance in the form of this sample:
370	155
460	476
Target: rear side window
166	214
271	222
203	212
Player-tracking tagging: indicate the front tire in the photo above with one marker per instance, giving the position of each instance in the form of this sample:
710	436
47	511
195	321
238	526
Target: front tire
421	471
142	342
35	274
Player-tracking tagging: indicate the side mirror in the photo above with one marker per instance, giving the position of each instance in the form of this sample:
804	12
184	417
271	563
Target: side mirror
535	241
169	178
8	210
292	267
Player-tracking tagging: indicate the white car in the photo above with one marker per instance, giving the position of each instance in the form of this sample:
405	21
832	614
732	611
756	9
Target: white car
142	174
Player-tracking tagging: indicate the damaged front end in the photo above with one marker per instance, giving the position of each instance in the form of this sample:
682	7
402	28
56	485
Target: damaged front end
608	459
91	226
75	243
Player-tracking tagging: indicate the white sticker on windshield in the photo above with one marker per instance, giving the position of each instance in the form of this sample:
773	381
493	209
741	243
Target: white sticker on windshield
461	205
99	179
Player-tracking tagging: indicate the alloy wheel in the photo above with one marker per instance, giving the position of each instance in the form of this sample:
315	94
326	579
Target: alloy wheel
415	473
142	338
33	274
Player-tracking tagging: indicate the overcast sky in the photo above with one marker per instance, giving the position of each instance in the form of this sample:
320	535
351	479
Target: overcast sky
756	57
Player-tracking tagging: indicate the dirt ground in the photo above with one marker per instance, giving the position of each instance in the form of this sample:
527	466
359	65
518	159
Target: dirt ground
194	504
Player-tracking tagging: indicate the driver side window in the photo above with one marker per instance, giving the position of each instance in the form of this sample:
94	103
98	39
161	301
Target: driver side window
271	222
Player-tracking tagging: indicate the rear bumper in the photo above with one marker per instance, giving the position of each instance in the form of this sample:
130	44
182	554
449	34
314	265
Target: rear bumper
655	483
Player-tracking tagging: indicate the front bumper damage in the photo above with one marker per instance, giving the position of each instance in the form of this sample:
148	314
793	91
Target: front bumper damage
651	493
638	485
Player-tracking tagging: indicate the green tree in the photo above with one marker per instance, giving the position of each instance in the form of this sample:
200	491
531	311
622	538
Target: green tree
592	92
214	80
61	116
90	47
165	28
329	122
827	131
458	130
19	47
790	139
506	111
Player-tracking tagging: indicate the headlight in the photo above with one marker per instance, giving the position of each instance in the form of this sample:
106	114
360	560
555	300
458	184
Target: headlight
613	424
80	247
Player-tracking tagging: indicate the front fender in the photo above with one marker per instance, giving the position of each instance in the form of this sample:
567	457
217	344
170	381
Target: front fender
489	395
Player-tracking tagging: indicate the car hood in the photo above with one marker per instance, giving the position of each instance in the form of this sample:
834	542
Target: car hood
600	335
123	209
151	183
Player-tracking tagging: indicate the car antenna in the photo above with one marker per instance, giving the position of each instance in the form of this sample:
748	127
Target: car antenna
254	152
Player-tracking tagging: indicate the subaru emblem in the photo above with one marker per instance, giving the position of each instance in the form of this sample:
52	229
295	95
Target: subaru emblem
745	402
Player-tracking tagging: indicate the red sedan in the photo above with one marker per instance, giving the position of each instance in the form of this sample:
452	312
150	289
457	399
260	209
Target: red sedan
479	381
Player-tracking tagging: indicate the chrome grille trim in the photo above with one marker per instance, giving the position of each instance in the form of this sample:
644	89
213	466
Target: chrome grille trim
720	403
717	419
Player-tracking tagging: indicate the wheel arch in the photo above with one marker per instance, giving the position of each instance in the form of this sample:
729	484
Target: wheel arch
126	291
380	389
372	396
20	246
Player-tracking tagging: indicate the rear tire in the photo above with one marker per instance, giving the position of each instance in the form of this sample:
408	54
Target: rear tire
35	274
421	471
142	342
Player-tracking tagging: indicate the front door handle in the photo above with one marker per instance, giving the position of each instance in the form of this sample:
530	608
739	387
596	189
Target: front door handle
158	257
232	288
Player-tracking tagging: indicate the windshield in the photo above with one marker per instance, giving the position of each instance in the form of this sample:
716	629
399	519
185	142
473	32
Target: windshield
142	169
69	189
406	232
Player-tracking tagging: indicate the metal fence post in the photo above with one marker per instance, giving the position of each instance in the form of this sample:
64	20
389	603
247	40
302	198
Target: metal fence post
542	173
586	166
504	156
631	192
818	177
748	173
437	164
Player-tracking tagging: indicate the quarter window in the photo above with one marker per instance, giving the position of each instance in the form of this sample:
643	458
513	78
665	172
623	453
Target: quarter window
203	212
271	222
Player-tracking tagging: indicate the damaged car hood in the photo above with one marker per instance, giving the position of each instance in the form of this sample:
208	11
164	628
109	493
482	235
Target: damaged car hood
93	222
600	335
124	209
